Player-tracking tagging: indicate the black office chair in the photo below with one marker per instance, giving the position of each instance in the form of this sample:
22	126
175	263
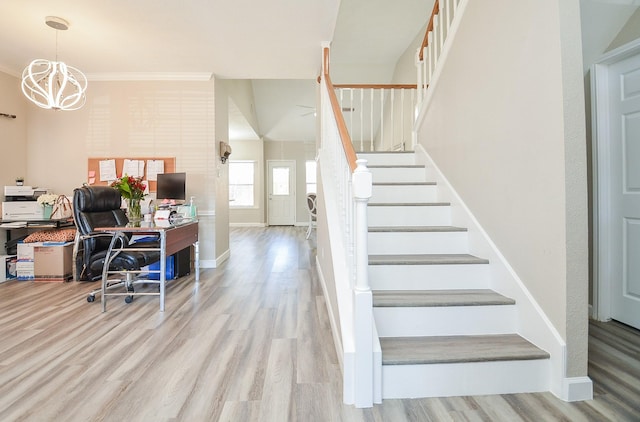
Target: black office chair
99	206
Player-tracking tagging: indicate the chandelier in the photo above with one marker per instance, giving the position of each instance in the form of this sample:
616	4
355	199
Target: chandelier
53	84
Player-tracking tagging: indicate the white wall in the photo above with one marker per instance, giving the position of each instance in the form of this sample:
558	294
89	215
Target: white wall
506	126
157	118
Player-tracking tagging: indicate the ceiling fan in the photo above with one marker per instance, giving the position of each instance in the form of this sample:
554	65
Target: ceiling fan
312	110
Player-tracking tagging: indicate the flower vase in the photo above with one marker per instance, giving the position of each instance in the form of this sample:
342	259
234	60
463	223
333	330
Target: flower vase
48	209
134	211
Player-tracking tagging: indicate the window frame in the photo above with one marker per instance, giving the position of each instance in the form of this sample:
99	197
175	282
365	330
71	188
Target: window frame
253	184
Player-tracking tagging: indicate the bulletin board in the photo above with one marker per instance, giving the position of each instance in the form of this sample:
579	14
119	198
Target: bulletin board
100	170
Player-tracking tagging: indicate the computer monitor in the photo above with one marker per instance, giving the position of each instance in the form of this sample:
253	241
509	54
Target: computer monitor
171	186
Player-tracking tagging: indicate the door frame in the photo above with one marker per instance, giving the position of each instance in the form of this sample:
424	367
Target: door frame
601	156
293	187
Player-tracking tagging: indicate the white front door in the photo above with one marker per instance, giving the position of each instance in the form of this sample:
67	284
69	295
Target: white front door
624	121
281	208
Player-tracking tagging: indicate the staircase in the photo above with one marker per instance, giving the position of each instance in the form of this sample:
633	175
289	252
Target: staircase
443	331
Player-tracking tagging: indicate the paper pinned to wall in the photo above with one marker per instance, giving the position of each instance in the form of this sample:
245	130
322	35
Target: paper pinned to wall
153	168
133	168
107	170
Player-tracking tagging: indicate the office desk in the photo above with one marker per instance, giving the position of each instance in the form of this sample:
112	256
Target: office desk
173	238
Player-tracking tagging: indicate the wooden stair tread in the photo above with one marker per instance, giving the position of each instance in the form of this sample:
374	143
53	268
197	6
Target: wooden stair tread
457	349
426	259
437	298
415	229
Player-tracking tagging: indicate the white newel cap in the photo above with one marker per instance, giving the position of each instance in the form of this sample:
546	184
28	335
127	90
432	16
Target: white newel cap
362	180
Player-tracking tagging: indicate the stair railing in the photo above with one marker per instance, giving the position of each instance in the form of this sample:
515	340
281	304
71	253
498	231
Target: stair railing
379	117
347	186
429	53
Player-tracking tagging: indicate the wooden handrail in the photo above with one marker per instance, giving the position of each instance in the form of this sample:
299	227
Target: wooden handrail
345	138
425	40
377	86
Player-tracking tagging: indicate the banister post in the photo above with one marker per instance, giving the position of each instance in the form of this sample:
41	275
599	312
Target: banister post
363	301
362	181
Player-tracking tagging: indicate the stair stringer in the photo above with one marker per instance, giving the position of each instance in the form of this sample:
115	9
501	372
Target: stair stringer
531	321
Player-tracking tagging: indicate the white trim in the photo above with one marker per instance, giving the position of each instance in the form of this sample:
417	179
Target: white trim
337	341
247	224
166	76
577	389
601	181
223	257
208	263
215	263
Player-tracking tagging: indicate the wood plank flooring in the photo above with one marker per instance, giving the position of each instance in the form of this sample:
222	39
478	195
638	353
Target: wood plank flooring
250	342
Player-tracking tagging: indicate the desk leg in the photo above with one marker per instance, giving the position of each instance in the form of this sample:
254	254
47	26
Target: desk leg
196	252
163	267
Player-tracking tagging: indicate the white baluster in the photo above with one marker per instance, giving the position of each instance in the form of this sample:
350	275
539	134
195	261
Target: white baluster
402	122
361	119
371	123
392	113
431	54
382	120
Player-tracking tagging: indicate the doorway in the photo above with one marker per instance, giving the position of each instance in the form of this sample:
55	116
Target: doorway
616	151
281	187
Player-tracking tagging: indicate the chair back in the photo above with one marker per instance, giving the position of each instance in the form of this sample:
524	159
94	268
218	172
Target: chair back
97	206
312	205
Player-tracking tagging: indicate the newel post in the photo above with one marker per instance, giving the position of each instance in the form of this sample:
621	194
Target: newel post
363	302
362	187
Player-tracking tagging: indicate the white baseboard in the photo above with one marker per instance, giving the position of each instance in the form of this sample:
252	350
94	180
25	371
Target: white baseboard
247	225
332	316
223	257
207	263
577	389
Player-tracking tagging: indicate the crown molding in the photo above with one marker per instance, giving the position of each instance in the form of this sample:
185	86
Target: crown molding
167	76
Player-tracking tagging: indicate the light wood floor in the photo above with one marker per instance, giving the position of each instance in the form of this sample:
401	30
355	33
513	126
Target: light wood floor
249	342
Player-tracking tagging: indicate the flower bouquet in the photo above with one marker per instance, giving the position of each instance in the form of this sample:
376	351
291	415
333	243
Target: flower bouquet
47	201
132	190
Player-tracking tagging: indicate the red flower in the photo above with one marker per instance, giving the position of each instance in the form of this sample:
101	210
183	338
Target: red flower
130	187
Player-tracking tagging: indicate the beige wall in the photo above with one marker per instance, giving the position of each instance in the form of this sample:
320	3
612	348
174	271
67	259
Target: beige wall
153	118
13	136
250	151
506	126
219	178
299	152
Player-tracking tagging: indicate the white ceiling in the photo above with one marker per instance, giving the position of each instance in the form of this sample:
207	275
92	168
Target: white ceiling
276	43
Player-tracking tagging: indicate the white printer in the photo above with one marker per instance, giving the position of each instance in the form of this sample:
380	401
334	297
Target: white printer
20	203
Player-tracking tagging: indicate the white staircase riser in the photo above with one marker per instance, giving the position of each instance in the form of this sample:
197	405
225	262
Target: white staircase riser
390	194
398	174
381	159
401	243
445	320
464	379
382	216
429	277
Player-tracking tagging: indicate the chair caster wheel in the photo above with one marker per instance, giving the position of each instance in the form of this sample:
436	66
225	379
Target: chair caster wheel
91	298
128	299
